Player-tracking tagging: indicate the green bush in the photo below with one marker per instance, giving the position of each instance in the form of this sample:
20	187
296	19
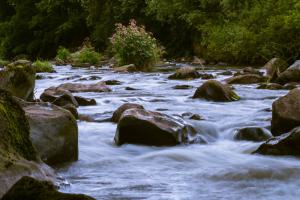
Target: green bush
63	54
3	63
87	55
43	66
133	45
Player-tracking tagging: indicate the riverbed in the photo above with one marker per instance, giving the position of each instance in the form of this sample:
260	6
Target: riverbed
222	169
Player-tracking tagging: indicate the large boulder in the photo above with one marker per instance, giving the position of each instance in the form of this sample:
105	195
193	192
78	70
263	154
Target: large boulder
58	96
185	73
17	155
28	188
118	113
255	134
292	74
285	113
53	131
78	87
284	145
275	67
19	79
246	79
215	91
139	126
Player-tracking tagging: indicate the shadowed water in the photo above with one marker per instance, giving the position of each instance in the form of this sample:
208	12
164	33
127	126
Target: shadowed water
222	169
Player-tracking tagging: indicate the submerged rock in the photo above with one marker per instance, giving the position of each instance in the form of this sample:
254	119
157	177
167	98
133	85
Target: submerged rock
255	134
271	86
53	131
28	188
182	87
78	87
139	126
285	113
292	74
112	82
246	79
19	79
284	145
275	67
185	73
215	91
17	155
117	114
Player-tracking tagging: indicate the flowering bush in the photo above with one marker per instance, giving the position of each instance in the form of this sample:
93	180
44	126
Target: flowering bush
133	45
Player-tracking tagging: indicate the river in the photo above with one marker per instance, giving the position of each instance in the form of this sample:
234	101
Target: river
222	169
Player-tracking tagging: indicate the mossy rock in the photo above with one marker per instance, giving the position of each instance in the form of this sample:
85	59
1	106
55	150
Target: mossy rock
17	154
19	79
29	188
14	132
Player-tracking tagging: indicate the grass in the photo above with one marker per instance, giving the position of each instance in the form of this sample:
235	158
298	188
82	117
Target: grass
43	66
86	56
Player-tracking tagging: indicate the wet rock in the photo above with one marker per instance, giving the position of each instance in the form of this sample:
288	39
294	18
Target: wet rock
17	155
189	115
292	74
246	79
72	109
226	73
112	82
130	88
255	134
247	71
78	87
270	86
125	68
206	76
290	86
53	131
182	87
90	78
275	67
28	188
285	113
215	91
58	96
82	101
19	79
138	126
284	145
185	73
117	114
70	78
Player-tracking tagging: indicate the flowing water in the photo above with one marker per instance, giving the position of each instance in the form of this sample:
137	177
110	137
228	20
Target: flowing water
222	169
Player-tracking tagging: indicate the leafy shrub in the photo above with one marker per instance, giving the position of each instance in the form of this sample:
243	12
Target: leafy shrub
43	66
133	45
63	54
3	63
86	55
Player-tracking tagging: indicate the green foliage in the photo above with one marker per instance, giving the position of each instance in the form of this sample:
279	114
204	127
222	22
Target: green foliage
133	45
43	66
3	62
232	31
86	55
63	54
